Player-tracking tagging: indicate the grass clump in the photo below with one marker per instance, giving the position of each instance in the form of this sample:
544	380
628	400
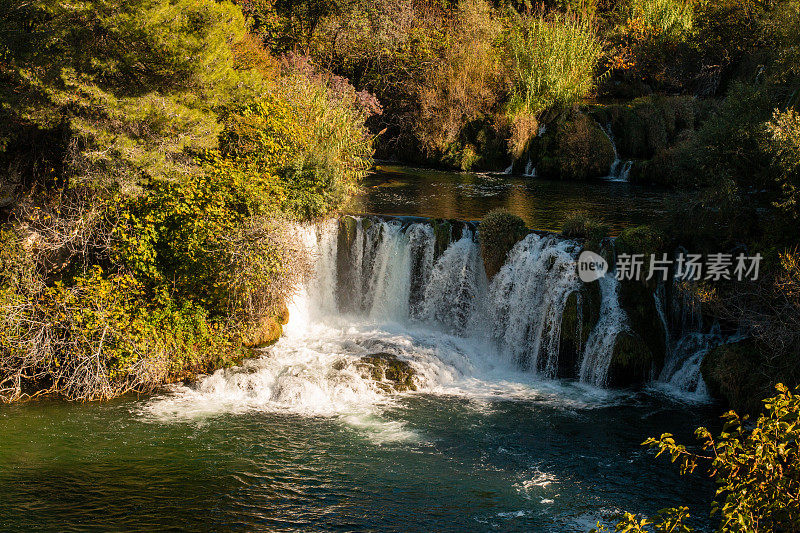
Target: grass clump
552	59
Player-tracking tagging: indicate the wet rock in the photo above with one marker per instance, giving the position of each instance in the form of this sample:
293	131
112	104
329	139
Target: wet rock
394	374
581	313
578	149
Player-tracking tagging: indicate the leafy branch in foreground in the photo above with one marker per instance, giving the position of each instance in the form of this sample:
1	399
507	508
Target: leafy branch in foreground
755	467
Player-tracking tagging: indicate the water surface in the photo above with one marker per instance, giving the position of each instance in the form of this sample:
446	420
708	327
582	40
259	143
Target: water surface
543	204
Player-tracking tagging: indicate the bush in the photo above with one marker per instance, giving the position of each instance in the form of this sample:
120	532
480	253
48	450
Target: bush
499	231
664	19
581	225
467	84
784	144
756	468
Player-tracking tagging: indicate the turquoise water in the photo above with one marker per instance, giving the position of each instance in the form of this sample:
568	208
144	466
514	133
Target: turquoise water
426	463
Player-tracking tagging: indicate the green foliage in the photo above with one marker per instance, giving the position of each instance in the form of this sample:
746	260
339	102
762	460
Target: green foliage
552	62
581	225
756	468
499	231
664	19
784	144
118	81
160	161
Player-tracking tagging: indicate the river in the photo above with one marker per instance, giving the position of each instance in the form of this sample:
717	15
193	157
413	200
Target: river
298	439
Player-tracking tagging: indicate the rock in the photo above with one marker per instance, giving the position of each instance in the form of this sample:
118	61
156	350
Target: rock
577	150
443	234
581	313
732	374
498	232
636	296
347	285
389	371
631	361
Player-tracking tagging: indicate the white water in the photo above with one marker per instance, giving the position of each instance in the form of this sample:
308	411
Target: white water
620	170
461	333
530	170
600	344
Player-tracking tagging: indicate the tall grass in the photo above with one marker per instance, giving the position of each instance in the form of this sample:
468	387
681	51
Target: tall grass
670	19
552	58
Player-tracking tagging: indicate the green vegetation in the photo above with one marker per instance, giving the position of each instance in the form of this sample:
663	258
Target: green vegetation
581	225
755	468
499	231
156	154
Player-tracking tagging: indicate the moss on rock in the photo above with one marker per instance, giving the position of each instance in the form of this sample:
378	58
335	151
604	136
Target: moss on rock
581	313
499	231
731	373
443	234
264	333
346	287
577	150
390	371
631	361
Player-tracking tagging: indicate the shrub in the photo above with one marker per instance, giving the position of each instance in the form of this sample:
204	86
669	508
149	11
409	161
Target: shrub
663	19
581	225
784	144
756	468
466	85
499	231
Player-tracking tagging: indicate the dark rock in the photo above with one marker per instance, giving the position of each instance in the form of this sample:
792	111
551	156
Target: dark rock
581	313
732	374
631	361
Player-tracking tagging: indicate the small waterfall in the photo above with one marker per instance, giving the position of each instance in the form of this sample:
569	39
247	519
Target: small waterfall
509	169
685	351
530	170
620	170
600	344
453	295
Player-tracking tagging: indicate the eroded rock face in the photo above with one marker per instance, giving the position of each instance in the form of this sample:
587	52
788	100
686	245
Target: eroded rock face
388	371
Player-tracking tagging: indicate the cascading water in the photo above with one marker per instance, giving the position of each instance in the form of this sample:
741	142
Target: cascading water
620	170
398	289
527	299
684	351
600	344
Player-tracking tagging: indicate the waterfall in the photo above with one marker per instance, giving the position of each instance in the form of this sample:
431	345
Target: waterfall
519	311
527	299
600	344
530	170
685	351
402	289
620	170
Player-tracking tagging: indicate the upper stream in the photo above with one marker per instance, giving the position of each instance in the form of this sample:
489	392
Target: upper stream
543	204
